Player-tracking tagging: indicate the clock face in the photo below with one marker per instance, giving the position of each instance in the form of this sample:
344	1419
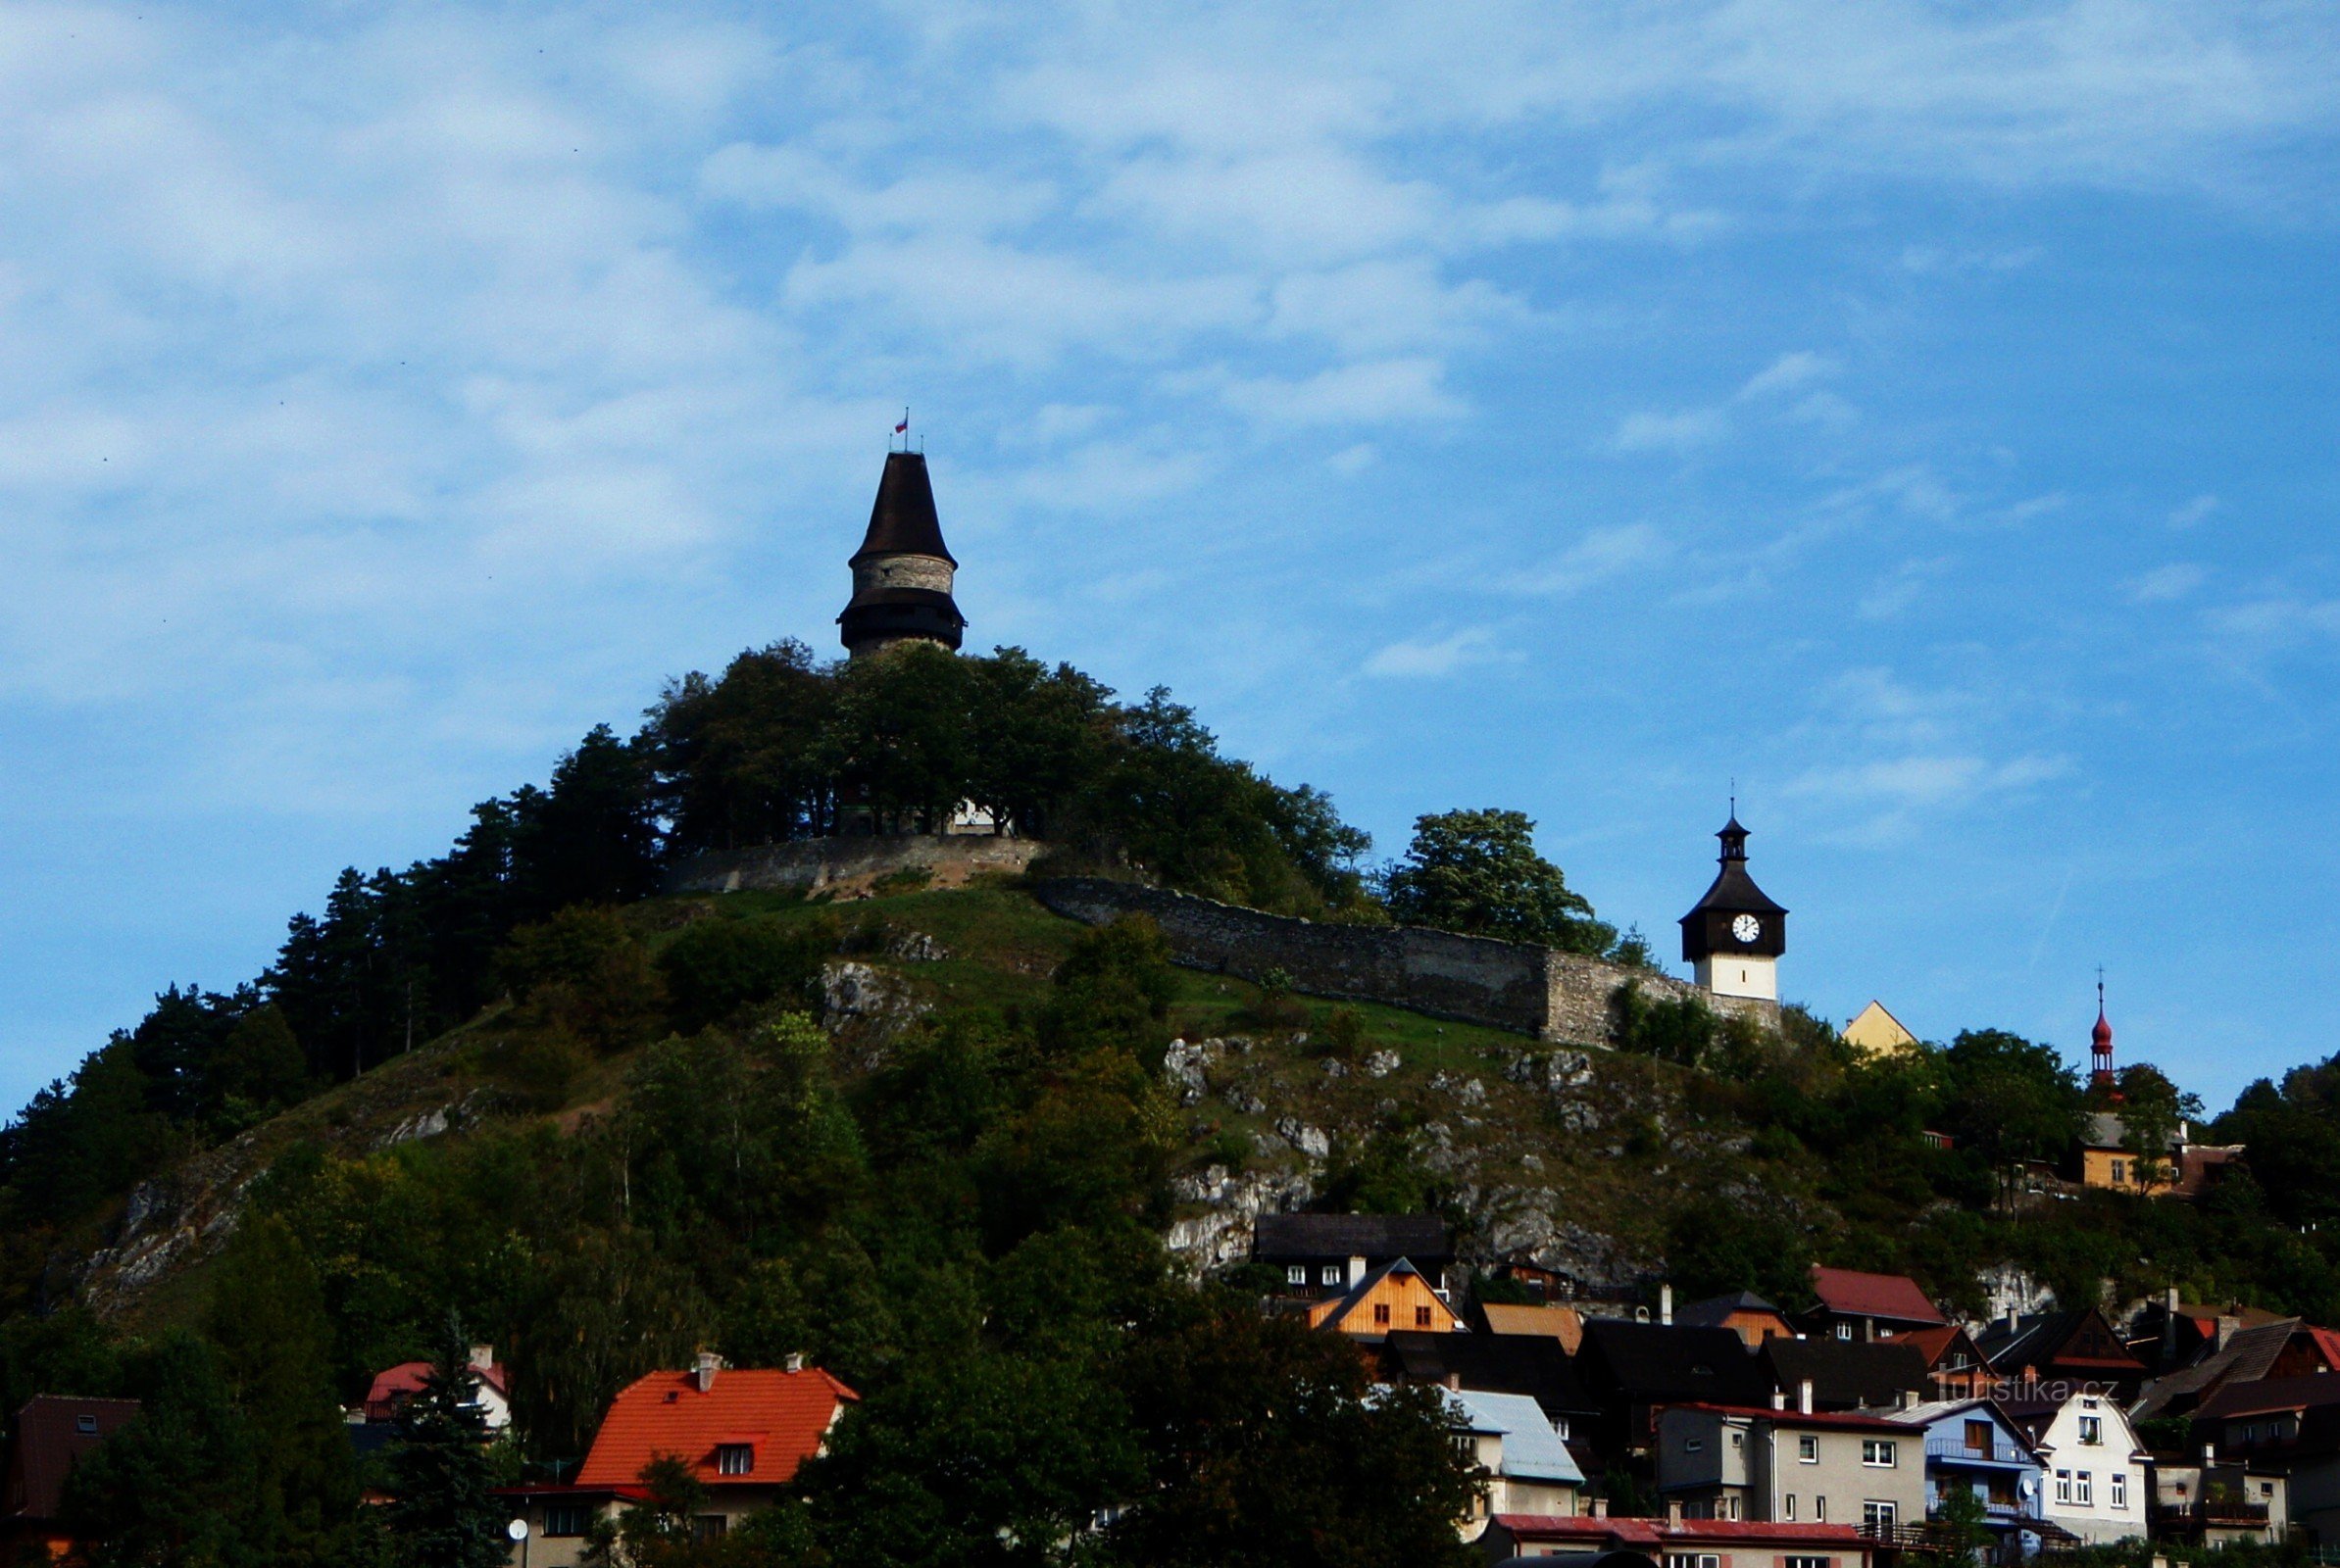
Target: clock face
1746	928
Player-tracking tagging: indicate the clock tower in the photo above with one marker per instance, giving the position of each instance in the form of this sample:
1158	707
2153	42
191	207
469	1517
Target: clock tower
1733	936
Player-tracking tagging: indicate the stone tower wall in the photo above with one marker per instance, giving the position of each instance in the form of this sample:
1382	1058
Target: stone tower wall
903	572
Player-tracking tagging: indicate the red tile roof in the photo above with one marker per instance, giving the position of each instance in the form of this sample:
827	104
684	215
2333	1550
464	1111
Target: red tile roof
1841	1420
1658	1533
53	1432
782	1415
405	1380
1848	1293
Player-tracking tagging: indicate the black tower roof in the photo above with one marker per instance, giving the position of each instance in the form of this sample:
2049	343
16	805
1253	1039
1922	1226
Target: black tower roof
1733	891
903	523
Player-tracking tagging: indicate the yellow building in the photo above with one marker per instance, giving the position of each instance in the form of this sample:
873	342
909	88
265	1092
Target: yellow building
1874	1032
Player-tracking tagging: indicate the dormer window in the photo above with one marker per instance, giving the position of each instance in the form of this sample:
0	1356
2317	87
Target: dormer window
1296	1274
1844	1331
734	1458
86	1425
1331	1274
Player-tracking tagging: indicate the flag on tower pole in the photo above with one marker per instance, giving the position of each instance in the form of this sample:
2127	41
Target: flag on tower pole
904	428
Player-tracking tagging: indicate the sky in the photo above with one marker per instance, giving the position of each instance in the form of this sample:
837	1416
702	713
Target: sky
1924	419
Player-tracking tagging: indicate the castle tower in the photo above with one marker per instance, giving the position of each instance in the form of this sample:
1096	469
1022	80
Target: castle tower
902	575
1732	938
2100	1049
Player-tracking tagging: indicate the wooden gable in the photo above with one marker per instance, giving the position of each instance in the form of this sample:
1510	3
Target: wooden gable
1396	1299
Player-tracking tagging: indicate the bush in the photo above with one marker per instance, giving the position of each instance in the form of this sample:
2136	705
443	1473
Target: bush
585	972
540	1066
716	968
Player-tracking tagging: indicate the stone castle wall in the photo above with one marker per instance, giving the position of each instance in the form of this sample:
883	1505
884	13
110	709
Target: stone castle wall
851	865
1558	996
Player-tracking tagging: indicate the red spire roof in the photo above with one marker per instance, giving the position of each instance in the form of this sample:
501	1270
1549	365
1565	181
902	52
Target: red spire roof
2102	1034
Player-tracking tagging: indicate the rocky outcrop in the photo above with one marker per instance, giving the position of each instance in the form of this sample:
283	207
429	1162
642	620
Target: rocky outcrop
1219	1234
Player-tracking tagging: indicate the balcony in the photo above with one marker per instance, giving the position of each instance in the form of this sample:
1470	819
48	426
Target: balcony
2213	1513
1950	1450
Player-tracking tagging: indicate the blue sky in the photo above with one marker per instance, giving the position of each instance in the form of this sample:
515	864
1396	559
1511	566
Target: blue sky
1924	415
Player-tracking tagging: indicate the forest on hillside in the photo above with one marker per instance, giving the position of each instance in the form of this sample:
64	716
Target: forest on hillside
966	1227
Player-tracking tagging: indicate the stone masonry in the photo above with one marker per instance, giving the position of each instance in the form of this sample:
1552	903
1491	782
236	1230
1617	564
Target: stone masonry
1559	996
848	867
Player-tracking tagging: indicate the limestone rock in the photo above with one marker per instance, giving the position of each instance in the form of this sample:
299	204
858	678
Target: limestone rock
1308	1141
1381	1063
1222	1234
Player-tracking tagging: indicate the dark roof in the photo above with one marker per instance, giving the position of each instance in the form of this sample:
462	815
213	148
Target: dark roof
53	1432
2080	1340
1849	1292
1278	1237
2244	1359
1715	1311
1670	1363
1829	1420
1845	1373
1490	1364
903	522
1733	890
2266	1395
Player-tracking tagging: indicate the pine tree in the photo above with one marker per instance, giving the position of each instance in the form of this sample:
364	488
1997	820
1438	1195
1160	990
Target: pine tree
446	1514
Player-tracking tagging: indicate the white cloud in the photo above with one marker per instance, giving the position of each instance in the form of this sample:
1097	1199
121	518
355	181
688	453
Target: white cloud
1600	554
1420	658
2164	584
1685	431
1790	372
2193	512
1378	392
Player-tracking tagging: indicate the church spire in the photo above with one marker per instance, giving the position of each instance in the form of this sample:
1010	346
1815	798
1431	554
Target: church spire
2100	1042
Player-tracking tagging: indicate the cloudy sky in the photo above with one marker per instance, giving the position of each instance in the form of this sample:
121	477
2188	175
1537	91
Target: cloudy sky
1923	415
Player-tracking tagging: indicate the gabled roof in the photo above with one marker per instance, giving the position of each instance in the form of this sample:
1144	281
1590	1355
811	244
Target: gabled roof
2271	1395
53	1432
1333	1311
1533	1365
1847	1372
405	1380
1936	1343
1671	1363
1298	1237
903	522
2245	1357
782	1416
2080	1340
1563	1324
1716	1310
1849	1292
1531	1449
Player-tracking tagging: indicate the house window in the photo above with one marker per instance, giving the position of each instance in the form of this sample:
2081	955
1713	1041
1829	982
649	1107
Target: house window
1693	1559
1380	1314
1331	1274
1559	1428
1878	1516
1978	1438
2092	1430
2267	1489
1844	1331
2120	1489
1820	1508
2064	1486
86	1425
1421	1317
1296	1274
709	1527
1808	1449
1805	1562
2120	1172
569	1519
1787	1507
2083	1490
734	1458
1738	1440
1694	1444
1877	1454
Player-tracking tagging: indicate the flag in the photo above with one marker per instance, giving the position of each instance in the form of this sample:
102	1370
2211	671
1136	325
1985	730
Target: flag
904	428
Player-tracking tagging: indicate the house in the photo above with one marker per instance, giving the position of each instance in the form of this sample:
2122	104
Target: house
1326	1255
492	1398
2096	1477
1674	1542
53	1432
1530	1365
2280	1349
1970	1444
1633	1369
743	1431
2073	1349
2209	1501
1849	1374
1394	1296
1743	1312
1564	1324
1955	1365
2171	1334
1528	1466
2184	1169
2290	1426
1849	1304
1874	1032
1744	1463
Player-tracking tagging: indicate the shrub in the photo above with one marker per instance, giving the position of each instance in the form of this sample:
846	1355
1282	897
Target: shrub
715	969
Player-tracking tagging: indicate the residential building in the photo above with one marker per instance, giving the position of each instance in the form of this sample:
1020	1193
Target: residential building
1633	1369
1743	1312
1394	1296
2214	1502
1791	1466
1875	1032
1676	1542
743	1432
2181	1169
1969	1445
1531	1365
1849	1304
1564	1324
2282	1347
2290	1426
2071	1350
1849	1374
52	1434
2096	1477
1529	1469
1955	1365
492	1397
2169	1334
1327	1255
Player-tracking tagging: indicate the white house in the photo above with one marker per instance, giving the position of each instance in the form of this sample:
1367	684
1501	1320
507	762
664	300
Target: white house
1529	1469
2093	1470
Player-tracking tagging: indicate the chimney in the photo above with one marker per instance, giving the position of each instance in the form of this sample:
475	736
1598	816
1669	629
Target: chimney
795	1361
1356	1272
1599	1507
2170	1330
1779	1398
2014	1316
1674	1514
1804	1397
1454	1380
483	1356
2210	1452
1666	1303
704	1369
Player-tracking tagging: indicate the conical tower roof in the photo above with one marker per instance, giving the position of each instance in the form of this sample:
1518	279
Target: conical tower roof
903	523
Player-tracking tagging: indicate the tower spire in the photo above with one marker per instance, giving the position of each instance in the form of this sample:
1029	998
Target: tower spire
2100	1042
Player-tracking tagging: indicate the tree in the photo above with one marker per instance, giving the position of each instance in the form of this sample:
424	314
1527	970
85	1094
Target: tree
1478	872
444	1513
2152	1109
174	1487
2010	1098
